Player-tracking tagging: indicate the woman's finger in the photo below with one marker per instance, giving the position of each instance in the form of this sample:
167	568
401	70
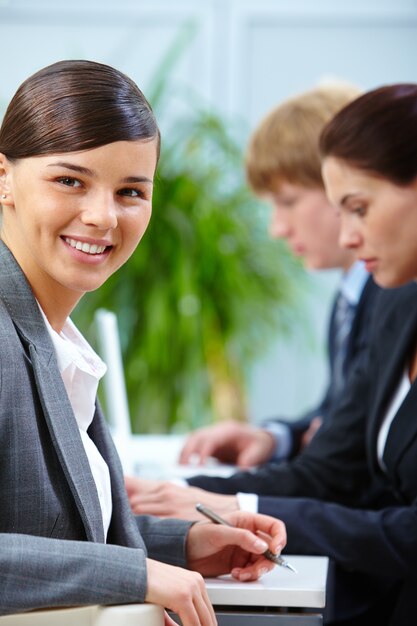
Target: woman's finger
197	609
263	525
253	571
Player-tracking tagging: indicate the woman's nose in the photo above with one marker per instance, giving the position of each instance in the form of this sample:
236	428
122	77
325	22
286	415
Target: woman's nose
100	211
349	235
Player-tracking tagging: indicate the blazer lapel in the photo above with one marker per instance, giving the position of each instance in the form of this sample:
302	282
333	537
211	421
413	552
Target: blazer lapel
57	409
67	441
123	528
395	343
402	432
356	335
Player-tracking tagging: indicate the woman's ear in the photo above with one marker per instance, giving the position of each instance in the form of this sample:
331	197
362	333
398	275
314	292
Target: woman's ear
5	190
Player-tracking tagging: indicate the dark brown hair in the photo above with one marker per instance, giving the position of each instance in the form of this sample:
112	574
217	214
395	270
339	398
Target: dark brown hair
75	105
377	132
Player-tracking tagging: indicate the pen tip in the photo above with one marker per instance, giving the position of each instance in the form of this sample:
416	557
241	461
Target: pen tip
291	568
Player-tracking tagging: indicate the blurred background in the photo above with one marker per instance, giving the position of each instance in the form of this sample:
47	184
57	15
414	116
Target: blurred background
215	319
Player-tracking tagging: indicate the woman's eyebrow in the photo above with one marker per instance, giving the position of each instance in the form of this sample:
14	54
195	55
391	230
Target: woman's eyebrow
87	172
75	168
137	179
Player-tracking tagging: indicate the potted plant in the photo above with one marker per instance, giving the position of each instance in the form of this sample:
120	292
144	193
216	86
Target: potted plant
205	291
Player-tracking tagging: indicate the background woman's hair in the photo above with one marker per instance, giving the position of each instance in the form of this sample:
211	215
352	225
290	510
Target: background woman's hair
285	145
75	105
377	133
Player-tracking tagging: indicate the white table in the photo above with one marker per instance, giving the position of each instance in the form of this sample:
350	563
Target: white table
120	615
156	457
279	588
281	597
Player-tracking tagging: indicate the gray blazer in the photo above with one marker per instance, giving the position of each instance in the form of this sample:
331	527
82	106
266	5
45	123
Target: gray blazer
52	550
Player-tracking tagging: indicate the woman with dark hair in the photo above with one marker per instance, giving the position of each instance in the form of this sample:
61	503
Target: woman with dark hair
352	493
78	150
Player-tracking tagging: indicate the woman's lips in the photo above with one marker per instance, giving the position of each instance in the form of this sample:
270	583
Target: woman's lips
370	264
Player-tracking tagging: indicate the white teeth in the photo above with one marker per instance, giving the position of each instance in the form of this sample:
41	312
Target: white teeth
85	247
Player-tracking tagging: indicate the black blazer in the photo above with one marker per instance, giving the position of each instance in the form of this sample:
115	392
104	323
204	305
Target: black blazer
317	494
357	342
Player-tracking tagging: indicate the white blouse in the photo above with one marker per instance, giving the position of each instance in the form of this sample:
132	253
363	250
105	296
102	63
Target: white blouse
81	370
397	400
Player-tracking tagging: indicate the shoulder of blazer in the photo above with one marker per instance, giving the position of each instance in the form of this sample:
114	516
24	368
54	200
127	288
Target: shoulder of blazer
21	305
362	321
380	310
394	307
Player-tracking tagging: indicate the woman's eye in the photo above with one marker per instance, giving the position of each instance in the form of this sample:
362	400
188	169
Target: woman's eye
68	181
131	193
359	211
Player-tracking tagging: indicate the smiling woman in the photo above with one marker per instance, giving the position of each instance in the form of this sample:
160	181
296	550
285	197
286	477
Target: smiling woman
79	145
100	221
96	189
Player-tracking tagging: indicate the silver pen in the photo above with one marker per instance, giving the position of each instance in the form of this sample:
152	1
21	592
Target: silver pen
275	558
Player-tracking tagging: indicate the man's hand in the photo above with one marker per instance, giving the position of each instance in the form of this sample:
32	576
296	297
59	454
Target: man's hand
229	442
181	591
154	497
213	549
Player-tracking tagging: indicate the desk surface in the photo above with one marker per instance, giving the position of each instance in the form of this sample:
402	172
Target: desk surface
156	457
118	615
278	588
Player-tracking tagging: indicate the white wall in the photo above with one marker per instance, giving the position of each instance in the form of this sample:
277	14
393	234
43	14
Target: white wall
244	58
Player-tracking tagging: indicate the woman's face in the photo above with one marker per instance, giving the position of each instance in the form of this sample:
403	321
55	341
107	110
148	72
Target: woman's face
378	220
72	219
305	218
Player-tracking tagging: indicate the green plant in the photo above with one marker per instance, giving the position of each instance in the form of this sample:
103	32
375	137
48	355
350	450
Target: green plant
205	291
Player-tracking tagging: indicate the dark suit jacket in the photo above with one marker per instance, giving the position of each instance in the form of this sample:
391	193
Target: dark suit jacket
52	549
317	494
357	342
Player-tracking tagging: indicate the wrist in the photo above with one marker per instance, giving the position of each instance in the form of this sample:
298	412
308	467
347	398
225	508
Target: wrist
231	504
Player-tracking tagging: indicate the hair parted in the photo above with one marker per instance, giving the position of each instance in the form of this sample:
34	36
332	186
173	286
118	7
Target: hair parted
75	105
285	145
377	133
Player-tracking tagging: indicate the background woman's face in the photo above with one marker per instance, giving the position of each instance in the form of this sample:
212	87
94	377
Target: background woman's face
378	220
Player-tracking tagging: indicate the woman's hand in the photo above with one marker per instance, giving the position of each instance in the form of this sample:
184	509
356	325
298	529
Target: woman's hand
181	591
162	498
213	549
